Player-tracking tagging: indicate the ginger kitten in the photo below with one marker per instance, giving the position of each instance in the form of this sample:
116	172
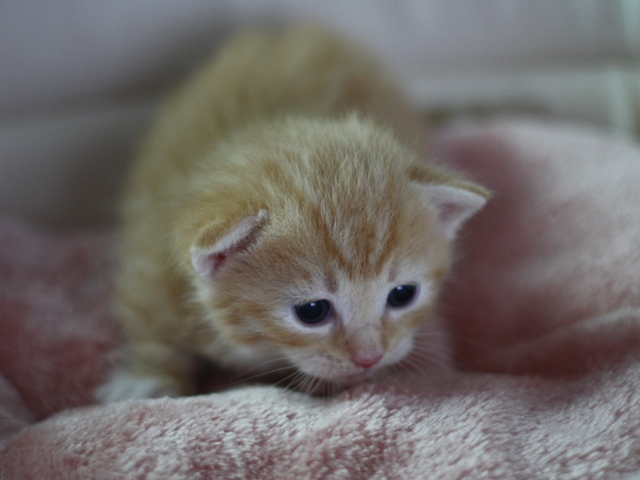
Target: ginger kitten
281	217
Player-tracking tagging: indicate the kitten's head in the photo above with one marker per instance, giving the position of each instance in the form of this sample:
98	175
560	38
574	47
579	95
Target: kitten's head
323	242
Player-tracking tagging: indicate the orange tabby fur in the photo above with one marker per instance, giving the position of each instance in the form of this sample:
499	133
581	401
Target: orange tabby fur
299	145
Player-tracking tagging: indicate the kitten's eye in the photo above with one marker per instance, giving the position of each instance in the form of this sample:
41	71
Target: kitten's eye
401	295
313	312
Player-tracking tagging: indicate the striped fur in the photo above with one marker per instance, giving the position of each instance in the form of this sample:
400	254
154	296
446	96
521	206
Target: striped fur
287	170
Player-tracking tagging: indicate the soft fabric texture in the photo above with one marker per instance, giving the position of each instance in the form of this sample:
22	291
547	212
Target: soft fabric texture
544	308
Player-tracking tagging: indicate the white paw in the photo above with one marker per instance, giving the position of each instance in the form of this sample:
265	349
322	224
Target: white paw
123	385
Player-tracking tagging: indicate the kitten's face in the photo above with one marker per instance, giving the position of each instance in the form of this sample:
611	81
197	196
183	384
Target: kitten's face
339	298
341	265
333	317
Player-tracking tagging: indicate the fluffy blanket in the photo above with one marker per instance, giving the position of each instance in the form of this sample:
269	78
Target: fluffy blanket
544	308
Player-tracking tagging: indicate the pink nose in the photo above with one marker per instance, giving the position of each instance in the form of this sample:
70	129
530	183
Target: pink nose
366	360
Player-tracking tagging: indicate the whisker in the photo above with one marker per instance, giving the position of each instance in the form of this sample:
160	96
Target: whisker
415	372
315	385
291	382
260	366
252	377
292	377
306	384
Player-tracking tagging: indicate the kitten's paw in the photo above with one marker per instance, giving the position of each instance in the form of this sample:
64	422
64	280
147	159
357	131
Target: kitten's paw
123	385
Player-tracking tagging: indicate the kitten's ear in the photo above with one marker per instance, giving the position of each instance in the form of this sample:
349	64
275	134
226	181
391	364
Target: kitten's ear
455	204
239	238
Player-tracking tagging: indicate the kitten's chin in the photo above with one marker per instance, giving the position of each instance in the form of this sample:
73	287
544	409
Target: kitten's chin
356	378
326	387
344	380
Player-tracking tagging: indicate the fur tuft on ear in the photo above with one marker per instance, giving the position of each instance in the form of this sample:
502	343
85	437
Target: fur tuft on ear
454	205
207	260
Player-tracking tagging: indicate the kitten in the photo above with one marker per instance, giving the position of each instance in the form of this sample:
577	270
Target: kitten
281	216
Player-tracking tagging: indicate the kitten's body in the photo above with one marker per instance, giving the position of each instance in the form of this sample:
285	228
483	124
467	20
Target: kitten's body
287	171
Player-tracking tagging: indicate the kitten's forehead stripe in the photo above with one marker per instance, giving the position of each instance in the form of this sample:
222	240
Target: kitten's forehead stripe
331	284
328	242
365	245
393	273
355	210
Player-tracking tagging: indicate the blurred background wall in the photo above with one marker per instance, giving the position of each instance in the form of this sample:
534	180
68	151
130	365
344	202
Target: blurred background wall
79	79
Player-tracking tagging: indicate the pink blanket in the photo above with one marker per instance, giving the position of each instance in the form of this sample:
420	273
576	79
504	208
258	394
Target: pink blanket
544	306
